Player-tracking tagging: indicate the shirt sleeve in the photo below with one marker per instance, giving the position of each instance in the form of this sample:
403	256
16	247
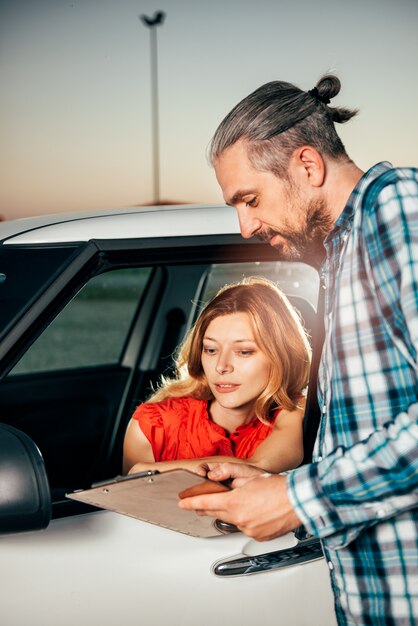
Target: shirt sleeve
150	419
377	478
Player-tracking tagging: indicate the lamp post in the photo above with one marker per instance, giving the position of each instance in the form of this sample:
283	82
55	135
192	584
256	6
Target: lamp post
152	22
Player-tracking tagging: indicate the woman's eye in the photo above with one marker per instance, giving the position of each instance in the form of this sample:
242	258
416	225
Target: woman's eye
209	350
246	352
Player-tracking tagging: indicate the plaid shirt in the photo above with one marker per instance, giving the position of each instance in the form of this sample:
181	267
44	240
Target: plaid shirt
360	493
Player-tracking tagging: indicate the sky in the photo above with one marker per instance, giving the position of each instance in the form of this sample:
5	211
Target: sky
75	112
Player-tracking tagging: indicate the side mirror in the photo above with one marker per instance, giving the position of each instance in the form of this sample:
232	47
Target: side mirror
25	500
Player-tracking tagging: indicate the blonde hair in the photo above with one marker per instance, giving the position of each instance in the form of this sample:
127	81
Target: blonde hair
278	332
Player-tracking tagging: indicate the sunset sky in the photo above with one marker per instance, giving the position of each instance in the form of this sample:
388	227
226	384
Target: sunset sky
75	89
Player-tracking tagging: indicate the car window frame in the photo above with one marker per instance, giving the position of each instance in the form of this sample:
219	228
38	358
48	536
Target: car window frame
100	255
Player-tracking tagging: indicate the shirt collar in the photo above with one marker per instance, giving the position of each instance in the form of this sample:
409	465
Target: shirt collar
345	218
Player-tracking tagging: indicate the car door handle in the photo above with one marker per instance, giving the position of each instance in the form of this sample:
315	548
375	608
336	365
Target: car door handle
303	552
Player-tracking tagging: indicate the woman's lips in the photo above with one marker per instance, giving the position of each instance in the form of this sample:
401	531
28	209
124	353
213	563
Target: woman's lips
226	387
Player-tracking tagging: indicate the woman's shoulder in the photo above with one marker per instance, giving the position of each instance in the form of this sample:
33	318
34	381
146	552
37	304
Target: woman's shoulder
170	408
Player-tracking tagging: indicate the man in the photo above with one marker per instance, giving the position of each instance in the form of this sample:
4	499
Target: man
280	162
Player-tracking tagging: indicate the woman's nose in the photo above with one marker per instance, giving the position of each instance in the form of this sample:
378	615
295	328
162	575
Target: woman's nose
223	366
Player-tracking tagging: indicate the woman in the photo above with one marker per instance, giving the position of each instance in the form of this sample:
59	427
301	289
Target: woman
238	390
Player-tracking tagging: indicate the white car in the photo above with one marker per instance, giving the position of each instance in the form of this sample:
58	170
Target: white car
92	307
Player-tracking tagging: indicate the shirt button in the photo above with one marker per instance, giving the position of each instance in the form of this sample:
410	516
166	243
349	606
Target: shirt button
236	434
330	565
324	408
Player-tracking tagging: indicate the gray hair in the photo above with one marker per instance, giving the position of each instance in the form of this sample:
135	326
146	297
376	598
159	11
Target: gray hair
277	118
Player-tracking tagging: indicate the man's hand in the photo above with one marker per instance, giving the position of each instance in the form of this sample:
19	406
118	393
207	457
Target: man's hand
260	508
237	474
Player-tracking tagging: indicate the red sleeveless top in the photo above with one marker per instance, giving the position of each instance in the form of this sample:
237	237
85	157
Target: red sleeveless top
180	428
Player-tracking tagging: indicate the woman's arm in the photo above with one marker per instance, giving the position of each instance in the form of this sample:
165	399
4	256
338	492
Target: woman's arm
136	447
138	455
198	466
280	451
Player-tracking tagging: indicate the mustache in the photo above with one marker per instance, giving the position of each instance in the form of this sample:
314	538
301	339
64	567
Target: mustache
267	234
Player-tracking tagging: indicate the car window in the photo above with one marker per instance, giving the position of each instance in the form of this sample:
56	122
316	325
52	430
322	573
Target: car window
76	387
92	329
295	279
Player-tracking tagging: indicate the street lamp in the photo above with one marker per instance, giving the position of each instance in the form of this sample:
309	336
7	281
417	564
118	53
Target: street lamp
152	22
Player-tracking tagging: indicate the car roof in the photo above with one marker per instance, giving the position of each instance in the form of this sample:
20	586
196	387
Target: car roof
124	223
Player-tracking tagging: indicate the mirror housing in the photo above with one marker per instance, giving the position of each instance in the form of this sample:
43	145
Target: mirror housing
25	499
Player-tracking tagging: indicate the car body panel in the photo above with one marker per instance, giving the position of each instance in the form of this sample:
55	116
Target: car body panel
105	568
172	222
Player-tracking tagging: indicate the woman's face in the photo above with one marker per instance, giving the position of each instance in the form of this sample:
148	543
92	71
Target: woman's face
235	367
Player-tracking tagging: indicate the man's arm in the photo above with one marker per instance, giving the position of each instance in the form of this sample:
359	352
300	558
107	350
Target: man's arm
375	479
378	477
268	506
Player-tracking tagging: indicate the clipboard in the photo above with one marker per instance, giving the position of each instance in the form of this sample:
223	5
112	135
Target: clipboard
153	497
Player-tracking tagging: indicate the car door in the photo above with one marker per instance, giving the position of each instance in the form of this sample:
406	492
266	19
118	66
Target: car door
87	347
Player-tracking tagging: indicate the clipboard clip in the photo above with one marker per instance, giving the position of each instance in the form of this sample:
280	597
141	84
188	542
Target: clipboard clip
122	478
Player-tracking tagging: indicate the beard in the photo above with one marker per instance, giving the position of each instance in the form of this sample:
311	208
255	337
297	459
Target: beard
305	242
